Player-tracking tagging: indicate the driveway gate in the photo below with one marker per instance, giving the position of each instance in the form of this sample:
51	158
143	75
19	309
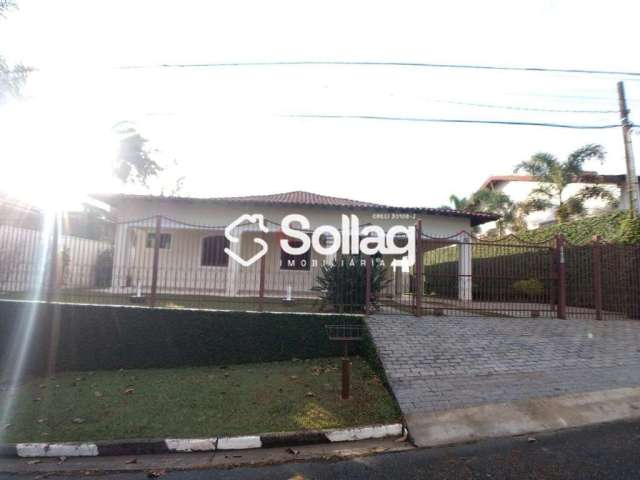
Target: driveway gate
467	275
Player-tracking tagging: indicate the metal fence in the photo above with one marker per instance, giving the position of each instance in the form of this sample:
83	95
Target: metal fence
465	275
160	262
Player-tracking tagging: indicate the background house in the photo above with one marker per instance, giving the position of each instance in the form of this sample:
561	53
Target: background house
518	188
24	231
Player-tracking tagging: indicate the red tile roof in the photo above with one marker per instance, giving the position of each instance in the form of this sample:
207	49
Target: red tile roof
300	198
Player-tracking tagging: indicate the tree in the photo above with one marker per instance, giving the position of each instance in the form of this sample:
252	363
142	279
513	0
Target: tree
458	203
555	176
134	163
6	5
11	79
490	201
511	213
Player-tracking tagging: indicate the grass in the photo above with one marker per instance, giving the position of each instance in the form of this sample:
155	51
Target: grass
195	402
92	296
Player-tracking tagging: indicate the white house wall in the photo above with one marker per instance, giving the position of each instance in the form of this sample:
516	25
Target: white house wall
179	266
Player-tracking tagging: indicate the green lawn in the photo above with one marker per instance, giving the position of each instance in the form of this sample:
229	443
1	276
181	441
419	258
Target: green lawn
210	302
195	402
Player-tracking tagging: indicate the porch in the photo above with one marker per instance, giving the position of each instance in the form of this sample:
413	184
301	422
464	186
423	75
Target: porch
160	257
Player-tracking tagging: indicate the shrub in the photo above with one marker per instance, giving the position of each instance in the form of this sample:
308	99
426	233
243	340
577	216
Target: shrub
629	230
104	268
342	285
530	288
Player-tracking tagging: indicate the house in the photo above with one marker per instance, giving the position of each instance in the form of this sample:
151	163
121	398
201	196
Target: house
518	188
24	237
191	256
19	213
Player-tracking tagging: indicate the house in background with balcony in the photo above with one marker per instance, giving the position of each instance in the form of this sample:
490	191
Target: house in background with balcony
518	188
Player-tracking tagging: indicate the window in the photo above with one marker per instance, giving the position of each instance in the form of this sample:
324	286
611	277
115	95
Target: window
295	262
165	240
213	254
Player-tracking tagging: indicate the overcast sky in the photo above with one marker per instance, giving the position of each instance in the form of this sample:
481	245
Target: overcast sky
229	129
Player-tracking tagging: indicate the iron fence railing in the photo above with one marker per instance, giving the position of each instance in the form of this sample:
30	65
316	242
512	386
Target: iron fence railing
161	262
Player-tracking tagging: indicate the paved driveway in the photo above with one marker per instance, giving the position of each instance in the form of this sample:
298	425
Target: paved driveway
440	363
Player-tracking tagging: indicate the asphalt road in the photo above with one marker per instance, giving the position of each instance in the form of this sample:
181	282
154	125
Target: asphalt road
610	451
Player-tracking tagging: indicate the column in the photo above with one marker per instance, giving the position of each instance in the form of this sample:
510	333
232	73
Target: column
465	267
233	268
120	256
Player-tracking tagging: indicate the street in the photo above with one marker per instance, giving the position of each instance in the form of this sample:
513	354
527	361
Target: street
596	452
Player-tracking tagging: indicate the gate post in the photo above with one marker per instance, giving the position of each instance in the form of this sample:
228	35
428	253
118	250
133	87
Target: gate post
367	288
419	281
596	258
262	275
562	280
156	259
51	284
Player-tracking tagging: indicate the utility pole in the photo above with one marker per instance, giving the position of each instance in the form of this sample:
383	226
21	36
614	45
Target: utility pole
632	176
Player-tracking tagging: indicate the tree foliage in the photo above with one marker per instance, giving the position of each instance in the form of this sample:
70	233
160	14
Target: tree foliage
12	79
555	176
5	6
629	232
491	201
134	163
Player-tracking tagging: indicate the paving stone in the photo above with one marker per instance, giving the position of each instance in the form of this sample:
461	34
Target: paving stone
438	363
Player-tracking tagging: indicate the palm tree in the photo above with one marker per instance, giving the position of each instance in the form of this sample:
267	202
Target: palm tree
511	218
555	176
458	203
511	214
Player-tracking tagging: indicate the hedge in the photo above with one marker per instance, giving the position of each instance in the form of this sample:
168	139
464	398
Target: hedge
581	231
96	337
494	277
610	226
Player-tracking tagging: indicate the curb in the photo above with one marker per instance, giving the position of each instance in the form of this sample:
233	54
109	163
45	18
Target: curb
521	417
183	445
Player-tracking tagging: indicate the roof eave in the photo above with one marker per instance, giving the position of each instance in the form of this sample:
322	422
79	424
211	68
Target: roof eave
476	218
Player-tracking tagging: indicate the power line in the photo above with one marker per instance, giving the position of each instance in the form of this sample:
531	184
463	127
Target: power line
529	109
454	120
385	64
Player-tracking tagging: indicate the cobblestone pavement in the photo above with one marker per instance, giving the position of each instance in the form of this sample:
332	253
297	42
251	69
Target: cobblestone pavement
440	363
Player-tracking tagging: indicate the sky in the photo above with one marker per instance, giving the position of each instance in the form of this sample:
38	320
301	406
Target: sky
233	131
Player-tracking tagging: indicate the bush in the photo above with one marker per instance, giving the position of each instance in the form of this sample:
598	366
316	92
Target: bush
629	231
104	268
530	288
342	285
